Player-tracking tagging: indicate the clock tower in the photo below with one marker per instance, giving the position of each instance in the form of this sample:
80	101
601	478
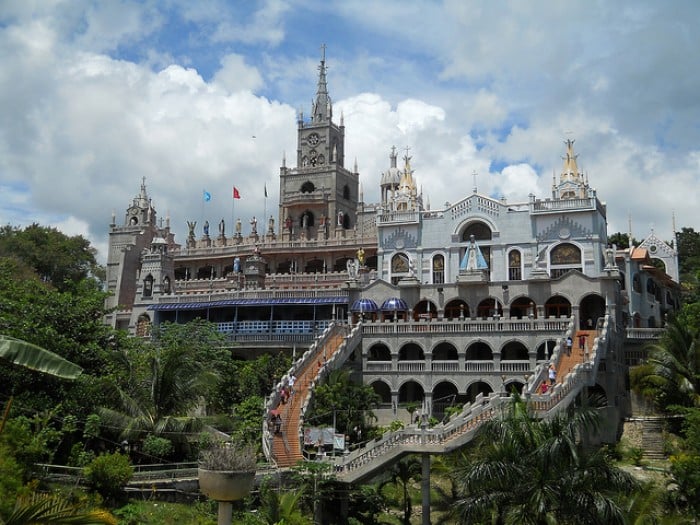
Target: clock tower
318	196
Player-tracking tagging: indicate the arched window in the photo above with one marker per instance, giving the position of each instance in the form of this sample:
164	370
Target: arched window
479	230
563	258
399	267
143	326
515	271
637	283
148	286
438	269
166	284
308	187
346	192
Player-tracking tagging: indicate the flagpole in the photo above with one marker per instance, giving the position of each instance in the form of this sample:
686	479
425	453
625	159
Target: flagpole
265	211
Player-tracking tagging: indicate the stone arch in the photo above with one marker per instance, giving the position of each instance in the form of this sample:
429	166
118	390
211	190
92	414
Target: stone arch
307	219
489	307
445	394
563	258
143	326
383	390
307	187
411	392
545	349
456	309
476	388
479	351
148	286
515	264
591	306
437	266
378	352
411	352
514	385
425	309
523	307
557	306
479	229
514	351
444	351
598	391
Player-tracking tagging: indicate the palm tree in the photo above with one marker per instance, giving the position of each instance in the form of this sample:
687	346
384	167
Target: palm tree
172	388
401	475
531	471
50	509
281	508
675	365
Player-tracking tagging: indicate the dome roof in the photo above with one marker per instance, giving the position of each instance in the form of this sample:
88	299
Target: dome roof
364	305
394	304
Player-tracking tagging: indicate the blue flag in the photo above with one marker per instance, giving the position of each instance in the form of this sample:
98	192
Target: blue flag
207	196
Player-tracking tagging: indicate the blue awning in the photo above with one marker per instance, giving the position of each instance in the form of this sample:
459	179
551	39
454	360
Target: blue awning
281	301
364	305
394	305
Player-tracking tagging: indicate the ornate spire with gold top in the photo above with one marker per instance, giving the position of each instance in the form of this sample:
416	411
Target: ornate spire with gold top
572	182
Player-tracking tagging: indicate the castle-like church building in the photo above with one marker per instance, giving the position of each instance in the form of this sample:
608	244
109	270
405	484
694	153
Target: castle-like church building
455	302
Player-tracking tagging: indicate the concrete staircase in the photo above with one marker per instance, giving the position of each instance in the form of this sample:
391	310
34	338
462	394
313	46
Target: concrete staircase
286	445
652	437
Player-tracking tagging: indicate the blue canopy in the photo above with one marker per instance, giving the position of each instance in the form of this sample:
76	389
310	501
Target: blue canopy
364	305
394	304
249	302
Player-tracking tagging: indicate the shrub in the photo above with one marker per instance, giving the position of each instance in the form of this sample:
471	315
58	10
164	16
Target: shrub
158	447
108	474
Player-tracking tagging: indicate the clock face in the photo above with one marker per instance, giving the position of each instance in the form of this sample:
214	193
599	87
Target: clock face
312	139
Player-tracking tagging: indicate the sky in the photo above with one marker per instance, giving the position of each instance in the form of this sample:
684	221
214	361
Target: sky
98	96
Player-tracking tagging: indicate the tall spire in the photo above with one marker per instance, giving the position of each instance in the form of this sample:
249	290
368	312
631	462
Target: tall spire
321	109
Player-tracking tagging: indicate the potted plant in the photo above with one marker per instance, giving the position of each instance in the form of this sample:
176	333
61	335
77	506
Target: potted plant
226	474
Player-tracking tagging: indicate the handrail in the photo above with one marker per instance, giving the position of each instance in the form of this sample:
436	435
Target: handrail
462	427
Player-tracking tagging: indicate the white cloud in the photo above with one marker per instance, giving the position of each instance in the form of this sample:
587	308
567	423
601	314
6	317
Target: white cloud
236	75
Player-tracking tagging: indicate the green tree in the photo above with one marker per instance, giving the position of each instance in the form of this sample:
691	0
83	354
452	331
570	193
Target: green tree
671	375
532	471
350	404
57	258
401	475
170	379
281	507
69	323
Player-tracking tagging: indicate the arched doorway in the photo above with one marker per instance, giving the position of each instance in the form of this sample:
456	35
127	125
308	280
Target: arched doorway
557	306
592	308
476	388
383	391
489	307
456	309
523	307
424	310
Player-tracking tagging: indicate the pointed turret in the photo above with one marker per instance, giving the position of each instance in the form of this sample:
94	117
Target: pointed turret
322	109
572	182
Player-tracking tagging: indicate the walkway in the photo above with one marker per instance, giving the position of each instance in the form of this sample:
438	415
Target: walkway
286	445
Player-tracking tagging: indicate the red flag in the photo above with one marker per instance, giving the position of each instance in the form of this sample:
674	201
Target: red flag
236	193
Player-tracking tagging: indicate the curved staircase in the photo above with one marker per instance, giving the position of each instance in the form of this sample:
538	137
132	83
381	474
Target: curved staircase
284	448
575	372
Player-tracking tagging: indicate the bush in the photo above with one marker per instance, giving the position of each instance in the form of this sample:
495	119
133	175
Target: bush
108	474
157	447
